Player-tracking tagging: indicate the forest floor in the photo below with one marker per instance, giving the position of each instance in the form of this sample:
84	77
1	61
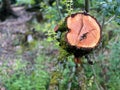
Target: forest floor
12	31
9	30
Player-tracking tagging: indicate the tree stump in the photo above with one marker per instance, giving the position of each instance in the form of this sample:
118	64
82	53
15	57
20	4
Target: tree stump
79	34
83	31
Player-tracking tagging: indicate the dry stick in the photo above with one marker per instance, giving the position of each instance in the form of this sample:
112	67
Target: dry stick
104	23
110	20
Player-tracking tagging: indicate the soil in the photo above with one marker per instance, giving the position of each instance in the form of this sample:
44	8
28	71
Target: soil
9	30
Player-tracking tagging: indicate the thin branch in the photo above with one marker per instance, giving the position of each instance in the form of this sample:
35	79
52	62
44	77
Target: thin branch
110	19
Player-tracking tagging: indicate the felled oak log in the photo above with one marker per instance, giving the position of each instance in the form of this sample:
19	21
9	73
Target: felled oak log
79	34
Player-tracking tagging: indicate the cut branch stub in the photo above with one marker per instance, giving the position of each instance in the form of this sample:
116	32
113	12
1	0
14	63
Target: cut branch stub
83	31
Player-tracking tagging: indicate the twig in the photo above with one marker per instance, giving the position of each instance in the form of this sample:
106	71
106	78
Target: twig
110	20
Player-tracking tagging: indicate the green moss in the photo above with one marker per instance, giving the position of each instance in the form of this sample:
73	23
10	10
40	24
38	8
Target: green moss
63	54
55	76
61	37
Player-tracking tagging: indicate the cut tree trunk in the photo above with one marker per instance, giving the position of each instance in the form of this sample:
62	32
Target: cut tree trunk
81	33
6	10
84	31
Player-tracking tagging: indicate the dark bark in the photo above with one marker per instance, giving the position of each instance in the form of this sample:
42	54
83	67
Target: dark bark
87	5
6	10
13	1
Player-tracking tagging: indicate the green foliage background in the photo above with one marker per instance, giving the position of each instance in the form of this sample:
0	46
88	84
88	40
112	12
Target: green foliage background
106	58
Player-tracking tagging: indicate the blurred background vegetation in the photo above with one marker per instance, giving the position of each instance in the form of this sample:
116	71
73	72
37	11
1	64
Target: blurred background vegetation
29	53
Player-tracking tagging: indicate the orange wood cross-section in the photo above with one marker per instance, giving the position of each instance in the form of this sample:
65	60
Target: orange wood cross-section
84	31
